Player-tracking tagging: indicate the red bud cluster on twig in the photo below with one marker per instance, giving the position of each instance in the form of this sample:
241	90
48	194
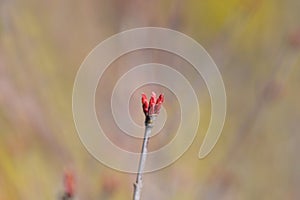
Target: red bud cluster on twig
154	105
151	110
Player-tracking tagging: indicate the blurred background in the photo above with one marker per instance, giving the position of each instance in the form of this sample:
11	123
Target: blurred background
256	45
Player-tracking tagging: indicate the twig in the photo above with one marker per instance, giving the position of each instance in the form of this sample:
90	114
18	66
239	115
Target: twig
151	110
139	182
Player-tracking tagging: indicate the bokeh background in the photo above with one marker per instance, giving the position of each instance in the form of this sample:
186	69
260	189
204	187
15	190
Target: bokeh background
256	45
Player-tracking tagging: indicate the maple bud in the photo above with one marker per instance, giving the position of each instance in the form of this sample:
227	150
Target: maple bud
69	184
154	105
145	104
159	101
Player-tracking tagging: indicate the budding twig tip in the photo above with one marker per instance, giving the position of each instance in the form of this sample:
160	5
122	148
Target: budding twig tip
153	106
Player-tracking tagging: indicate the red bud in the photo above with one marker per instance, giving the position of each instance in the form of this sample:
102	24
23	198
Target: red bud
145	104
69	183
154	105
145	107
144	98
160	99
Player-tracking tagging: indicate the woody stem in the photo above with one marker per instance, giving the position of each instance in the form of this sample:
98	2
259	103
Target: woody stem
139	183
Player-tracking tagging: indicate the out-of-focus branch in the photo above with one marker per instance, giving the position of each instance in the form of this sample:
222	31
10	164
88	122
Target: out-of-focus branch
24	110
271	91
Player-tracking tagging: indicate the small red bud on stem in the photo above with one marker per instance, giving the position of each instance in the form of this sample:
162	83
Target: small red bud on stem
151	110
154	105
69	185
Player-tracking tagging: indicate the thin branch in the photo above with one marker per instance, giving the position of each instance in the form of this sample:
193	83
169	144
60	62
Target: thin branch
139	181
151	110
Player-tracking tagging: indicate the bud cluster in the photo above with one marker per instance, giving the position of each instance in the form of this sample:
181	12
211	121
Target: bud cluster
153	106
